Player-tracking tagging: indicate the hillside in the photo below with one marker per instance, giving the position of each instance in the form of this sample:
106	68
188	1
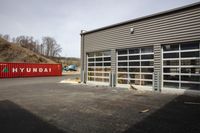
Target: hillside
67	60
14	53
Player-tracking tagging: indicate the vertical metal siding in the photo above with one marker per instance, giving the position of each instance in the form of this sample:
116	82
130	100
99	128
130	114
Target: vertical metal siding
113	65
82	58
157	65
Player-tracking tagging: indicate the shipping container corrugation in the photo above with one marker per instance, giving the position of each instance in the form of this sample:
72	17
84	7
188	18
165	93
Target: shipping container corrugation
13	70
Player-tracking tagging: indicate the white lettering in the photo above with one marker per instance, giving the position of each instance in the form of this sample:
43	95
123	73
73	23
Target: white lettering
28	70
34	69
40	70
21	69
14	70
45	70
31	70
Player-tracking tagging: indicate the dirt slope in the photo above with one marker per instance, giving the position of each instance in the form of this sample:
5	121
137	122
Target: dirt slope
14	53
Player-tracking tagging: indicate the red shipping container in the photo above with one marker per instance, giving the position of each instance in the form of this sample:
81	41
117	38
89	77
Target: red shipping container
12	70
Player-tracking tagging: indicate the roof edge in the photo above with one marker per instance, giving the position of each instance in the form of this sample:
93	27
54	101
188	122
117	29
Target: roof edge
142	18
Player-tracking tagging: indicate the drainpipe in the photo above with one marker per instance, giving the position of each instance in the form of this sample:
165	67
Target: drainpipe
82	57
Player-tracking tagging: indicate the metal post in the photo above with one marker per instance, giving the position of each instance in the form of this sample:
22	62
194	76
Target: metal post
111	75
82	76
156	81
110	79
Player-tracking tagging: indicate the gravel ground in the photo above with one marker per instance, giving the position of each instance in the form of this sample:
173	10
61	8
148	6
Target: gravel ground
35	105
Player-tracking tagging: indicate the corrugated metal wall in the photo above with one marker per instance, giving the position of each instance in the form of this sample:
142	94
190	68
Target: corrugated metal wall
13	70
180	26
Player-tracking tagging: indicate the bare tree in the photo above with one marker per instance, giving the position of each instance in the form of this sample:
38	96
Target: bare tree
26	42
21	40
48	47
42	49
48	42
37	46
6	37
14	40
51	46
56	50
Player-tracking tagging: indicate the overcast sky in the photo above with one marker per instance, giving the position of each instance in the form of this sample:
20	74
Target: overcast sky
64	19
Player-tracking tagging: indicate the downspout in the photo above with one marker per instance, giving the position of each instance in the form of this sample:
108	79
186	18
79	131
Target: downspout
82	57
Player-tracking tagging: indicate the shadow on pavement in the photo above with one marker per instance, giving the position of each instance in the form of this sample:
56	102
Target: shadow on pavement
14	119
181	115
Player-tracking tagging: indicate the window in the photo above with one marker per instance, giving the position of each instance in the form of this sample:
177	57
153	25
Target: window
147	63
122	63
98	64
122	81
122	70
107	59
171	77
91	55
189	54
90	69
91	60
136	82
147	70
190	46
136	57
171	47
134	51
120	52
123	75
122	58
171	85
134	69
191	70
171	70
134	63
171	55
146	76
171	63
147	56
91	64
190	62
147	50
190	86
98	59
99	54
106	53
107	64
146	83
190	78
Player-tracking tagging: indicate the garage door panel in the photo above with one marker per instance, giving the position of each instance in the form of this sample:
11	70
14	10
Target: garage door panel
99	67
135	66
181	65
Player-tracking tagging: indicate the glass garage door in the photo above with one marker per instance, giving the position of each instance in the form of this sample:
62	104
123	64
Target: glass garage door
99	67
181	66
135	66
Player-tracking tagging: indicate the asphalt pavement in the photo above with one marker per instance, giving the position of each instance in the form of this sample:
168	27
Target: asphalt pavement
43	105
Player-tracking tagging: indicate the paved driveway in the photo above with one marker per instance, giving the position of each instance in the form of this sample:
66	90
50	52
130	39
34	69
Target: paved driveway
43	105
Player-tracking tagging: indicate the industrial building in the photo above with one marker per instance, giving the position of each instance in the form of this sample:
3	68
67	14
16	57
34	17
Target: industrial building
157	52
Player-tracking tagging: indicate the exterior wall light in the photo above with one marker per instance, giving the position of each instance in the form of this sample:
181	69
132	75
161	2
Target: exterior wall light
82	31
132	30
